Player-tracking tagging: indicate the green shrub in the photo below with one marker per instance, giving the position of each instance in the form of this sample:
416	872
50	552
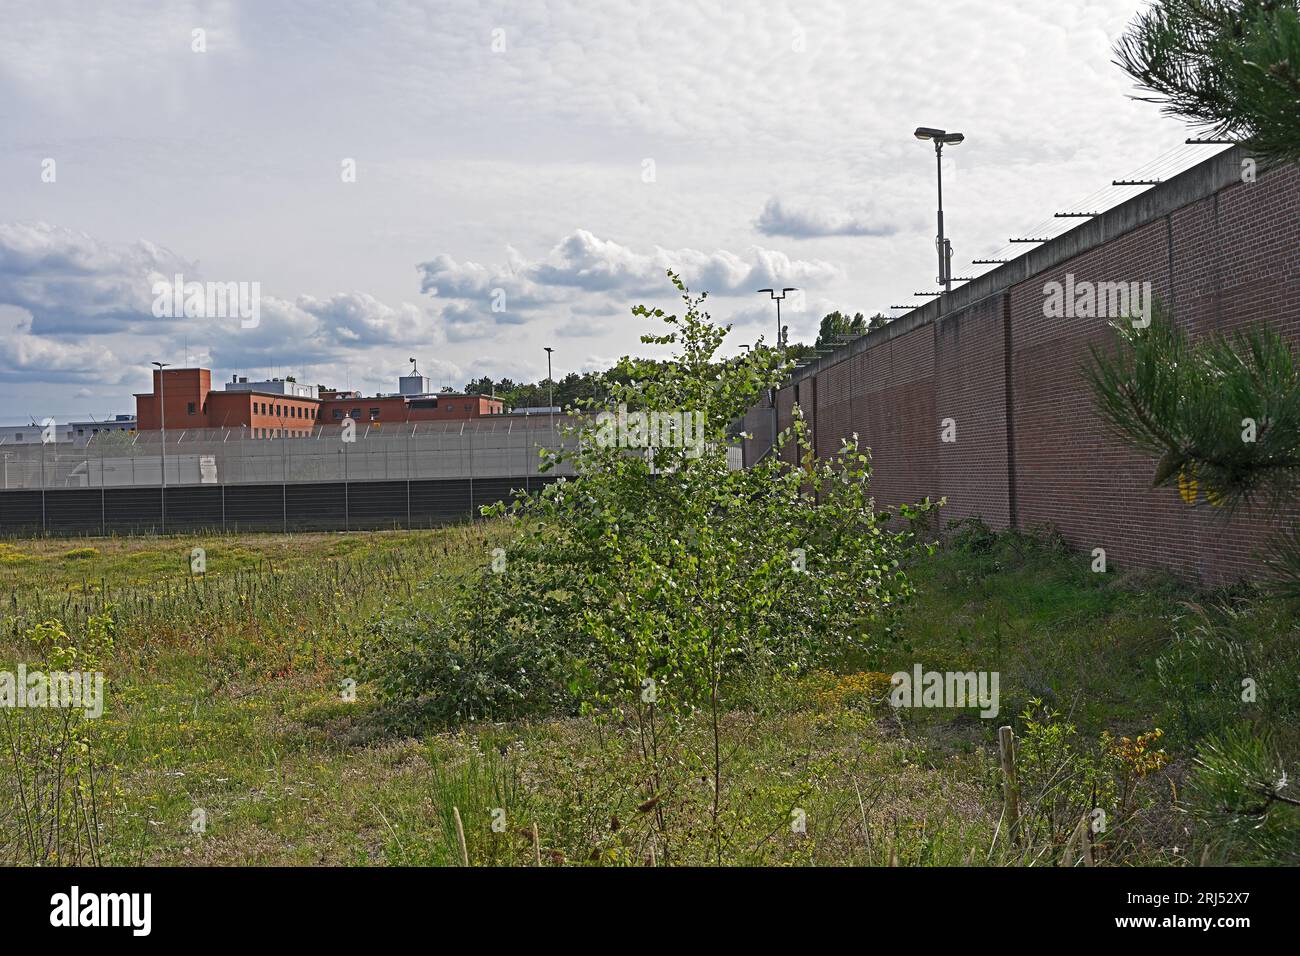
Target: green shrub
971	536
658	580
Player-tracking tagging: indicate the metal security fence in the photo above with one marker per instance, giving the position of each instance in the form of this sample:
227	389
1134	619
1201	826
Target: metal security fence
304	506
500	447
410	475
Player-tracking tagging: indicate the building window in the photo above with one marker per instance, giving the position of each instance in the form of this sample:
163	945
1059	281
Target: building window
356	413
338	413
189	408
374	414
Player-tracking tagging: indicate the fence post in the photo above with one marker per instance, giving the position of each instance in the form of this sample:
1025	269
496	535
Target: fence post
43	524
103	502
1007	749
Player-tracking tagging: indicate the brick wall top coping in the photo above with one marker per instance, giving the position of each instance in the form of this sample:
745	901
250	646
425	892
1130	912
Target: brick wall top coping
1191	185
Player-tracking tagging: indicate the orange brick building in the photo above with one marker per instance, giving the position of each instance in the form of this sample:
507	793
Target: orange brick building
439	407
282	407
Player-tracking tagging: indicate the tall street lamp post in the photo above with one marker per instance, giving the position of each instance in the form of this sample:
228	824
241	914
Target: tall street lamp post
779	342
777	298
940	138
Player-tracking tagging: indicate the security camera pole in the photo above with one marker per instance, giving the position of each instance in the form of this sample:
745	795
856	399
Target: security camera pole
940	137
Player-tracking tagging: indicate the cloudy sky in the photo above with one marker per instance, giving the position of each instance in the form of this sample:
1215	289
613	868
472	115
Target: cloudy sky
524	173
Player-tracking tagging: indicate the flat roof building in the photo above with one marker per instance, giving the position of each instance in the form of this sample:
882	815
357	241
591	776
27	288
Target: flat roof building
281	407
82	432
288	387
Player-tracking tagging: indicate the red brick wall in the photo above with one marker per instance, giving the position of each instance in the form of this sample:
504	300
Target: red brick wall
1069	472
1221	262
785	419
758	428
970	380
183	387
886	396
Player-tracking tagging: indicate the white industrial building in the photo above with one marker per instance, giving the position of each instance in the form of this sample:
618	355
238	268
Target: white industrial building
49	431
273	386
82	432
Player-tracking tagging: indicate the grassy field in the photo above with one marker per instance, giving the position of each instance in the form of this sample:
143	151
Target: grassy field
227	703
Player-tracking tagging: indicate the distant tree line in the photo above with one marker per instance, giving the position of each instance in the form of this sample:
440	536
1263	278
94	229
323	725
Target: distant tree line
837	328
577	387
569	390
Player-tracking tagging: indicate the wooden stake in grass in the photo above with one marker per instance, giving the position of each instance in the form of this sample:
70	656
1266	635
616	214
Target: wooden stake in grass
460	837
1007	747
537	846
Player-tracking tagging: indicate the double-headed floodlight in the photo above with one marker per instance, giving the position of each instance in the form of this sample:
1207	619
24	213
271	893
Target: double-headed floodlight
941	137
778	298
